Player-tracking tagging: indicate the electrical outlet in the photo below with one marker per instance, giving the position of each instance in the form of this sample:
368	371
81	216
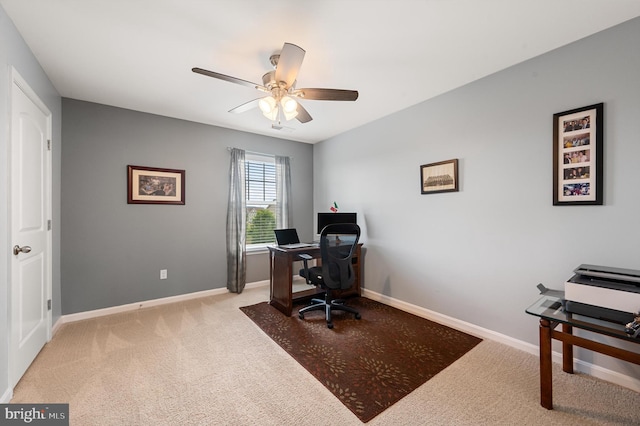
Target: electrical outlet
163	274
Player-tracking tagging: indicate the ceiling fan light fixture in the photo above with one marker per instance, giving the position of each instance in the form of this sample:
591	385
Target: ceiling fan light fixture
267	105
280	87
289	115
272	115
289	105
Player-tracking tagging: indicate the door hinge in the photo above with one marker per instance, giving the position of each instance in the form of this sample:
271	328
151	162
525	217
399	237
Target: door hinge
49	305
49	225
48	144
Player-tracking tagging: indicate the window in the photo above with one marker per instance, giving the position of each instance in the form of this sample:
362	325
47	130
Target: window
260	176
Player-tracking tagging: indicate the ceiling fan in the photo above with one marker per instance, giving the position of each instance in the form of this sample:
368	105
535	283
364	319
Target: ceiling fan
280	85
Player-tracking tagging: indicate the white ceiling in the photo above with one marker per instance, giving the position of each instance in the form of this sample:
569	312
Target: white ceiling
138	54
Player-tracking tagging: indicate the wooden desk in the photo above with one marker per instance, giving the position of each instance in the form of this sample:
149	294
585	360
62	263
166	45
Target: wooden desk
552	314
281	276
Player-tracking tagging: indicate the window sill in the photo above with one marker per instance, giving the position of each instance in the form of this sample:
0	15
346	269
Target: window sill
257	250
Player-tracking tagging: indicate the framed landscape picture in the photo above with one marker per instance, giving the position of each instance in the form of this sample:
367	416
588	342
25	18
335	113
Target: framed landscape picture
151	185
439	177
578	156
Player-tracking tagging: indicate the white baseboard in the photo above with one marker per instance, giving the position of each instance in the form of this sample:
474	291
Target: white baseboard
603	373
6	396
579	365
64	319
256	284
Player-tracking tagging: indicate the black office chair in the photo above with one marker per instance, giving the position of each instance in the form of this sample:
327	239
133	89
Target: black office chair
338	242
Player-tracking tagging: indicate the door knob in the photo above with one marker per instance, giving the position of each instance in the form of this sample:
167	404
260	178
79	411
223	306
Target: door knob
17	249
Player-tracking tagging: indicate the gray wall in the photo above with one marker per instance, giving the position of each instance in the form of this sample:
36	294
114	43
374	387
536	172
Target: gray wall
14	53
475	255
113	251
478	254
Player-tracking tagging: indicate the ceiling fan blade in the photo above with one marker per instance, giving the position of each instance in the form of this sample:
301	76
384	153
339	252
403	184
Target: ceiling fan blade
303	116
289	63
327	94
227	78
245	106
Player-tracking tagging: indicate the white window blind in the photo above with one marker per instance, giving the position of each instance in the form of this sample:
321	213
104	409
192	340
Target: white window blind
260	175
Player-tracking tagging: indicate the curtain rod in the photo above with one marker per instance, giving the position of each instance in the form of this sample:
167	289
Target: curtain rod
229	148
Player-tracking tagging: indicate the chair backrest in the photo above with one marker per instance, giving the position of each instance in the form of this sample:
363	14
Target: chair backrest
338	242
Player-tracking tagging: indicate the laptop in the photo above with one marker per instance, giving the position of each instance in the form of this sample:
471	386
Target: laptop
288	238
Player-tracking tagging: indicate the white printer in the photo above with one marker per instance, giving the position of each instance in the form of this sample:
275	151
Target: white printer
604	292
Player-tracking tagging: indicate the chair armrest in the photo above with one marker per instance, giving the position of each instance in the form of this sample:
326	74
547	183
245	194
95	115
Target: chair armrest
305	259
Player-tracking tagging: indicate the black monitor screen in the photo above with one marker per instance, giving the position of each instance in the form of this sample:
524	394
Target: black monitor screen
325	219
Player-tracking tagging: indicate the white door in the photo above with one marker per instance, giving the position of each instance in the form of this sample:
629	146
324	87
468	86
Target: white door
30	317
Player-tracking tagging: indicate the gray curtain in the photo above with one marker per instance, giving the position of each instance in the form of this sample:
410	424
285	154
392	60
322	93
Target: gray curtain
283	192
236	224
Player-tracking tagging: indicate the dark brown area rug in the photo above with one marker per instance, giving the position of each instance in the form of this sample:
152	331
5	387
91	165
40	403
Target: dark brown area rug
371	363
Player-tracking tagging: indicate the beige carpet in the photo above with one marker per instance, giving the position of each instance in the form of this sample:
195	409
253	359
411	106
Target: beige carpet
204	362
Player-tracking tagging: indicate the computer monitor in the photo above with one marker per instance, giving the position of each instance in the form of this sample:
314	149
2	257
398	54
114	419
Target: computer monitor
325	219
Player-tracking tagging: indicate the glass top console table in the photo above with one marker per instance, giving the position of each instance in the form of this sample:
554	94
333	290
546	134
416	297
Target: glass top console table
550	310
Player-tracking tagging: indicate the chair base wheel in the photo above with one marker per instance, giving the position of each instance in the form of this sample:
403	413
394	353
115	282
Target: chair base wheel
327	306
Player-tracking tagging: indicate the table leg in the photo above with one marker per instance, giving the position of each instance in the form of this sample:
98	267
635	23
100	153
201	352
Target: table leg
281	297
546	379
270	275
567	351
